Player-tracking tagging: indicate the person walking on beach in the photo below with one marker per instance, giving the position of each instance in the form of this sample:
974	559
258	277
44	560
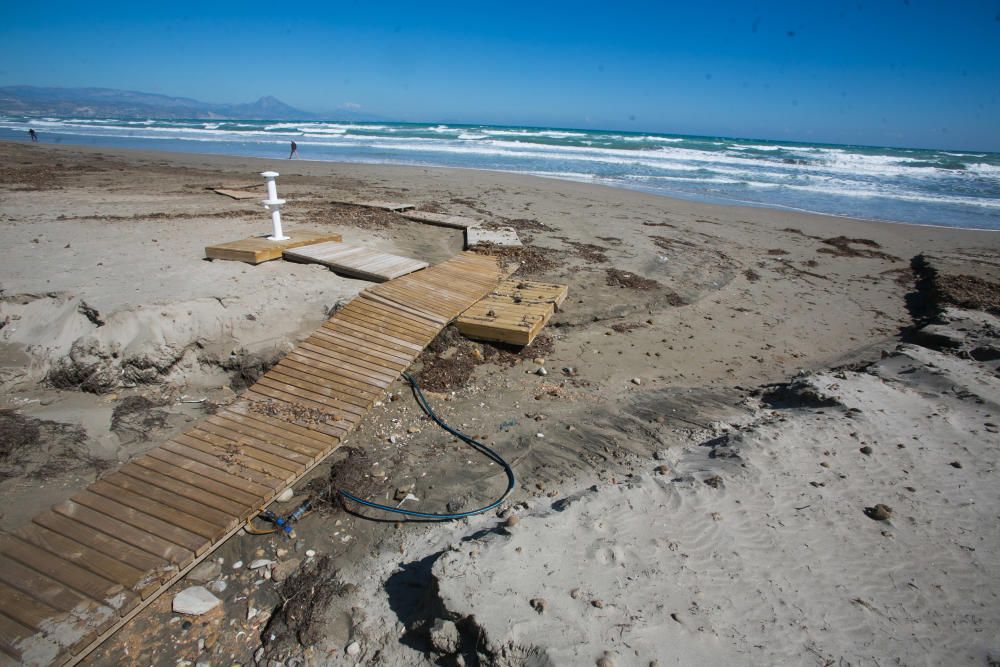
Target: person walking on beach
33	135
295	151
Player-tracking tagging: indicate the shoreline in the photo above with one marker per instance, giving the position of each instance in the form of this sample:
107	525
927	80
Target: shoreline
335	165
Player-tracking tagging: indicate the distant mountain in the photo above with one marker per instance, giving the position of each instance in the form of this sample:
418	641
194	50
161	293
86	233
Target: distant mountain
104	102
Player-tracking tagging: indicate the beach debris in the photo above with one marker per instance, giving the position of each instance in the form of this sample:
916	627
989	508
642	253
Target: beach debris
285	496
662	470
512	521
310	553
539	605
597	603
195	601
636	381
444	636
879	512
353	649
955	464
575	593
714	481
866	450
261	562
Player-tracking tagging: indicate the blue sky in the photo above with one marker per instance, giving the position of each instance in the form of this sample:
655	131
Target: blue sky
885	72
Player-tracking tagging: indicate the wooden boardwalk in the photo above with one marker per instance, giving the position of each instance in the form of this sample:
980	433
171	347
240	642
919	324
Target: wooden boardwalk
84	568
355	261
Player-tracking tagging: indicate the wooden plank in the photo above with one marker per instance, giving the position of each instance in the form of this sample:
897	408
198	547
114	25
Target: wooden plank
58	627
219	433
305	374
138	569
113	524
83	581
96	617
431	318
355	261
188	490
442	219
25	646
232	462
171	499
257	249
377	375
296	443
384	205
376	332
111	567
257	492
171	515
246	501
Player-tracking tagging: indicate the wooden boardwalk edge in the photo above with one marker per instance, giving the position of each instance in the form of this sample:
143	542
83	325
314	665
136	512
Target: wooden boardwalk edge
119	544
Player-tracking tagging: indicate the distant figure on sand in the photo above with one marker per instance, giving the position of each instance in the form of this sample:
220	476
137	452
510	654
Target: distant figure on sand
295	151
34	137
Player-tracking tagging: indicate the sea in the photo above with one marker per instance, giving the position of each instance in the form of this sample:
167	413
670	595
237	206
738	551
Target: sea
927	187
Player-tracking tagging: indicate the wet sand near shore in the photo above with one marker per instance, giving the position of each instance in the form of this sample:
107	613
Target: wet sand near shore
678	313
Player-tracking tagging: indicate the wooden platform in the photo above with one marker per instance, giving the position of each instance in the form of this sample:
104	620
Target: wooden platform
515	312
84	568
504	236
258	249
395	207
355	261
442	219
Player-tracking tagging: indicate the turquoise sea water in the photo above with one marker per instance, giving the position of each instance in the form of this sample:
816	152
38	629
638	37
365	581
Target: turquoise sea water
946	188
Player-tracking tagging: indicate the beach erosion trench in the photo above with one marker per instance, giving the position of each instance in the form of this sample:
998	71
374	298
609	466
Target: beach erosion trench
84	568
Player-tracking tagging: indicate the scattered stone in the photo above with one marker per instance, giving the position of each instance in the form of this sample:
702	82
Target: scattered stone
662	470
866	450
195	601
879	512
661	455
911	489
285	496
353	649
284	569
636	380
413	429
955	464
605	661
237	565
512	521
541	371
714	481
261	562
539	605
444	636
218	586
575	593
540	361
310	553
597	603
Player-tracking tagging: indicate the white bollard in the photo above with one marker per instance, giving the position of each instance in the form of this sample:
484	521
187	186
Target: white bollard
273	204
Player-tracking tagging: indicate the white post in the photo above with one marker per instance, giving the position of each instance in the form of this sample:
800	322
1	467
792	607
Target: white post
273	204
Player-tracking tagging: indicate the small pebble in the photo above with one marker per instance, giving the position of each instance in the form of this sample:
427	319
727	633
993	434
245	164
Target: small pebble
353	649
512	521
636	380
575	593
539	605
310	553
955	464
597	603
866	450
237	565
541	371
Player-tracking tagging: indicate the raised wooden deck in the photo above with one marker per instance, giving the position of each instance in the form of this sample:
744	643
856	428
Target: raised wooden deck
83	569
257	249
355	261
514	312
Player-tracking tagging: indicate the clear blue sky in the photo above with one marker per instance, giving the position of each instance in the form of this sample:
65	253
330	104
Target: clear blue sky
886	72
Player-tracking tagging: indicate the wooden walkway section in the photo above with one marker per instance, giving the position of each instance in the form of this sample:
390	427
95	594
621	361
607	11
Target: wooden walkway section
395	207
514	312
240	194
84	568
257	249
504	236
442	219
355	261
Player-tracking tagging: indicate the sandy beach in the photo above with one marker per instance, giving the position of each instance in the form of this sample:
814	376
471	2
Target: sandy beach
762	436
